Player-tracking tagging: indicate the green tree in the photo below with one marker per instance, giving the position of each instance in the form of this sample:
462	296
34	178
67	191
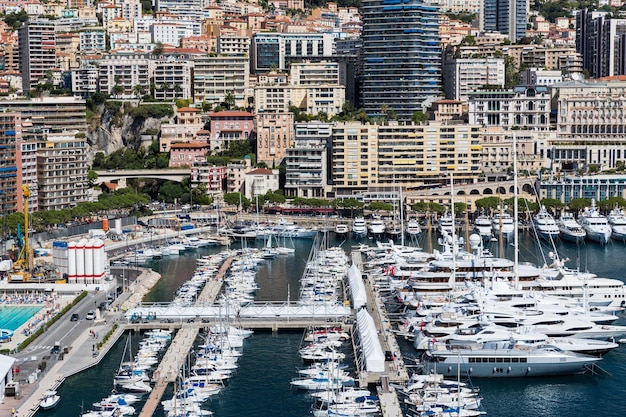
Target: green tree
577	204
459	208
419	117
487	203
349	204
229	100
237	199
92	176
379	205
170	192
99	160
552	204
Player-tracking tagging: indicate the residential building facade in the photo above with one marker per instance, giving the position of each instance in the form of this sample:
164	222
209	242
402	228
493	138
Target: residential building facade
401	56
308	160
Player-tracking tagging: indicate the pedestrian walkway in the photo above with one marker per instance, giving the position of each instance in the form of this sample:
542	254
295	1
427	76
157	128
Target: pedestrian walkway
171	363
79	357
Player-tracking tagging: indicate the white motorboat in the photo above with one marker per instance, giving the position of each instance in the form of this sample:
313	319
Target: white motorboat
413	228
545	226
595	224
341	230
502	224
359	228
569	229
445	224
506	360
50	400
617	220
482	226
324	381
377	227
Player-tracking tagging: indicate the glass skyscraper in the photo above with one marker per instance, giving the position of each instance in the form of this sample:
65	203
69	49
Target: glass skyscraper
401	56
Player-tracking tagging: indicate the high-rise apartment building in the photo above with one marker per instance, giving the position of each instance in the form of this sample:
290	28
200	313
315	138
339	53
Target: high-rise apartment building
62	171
601	40
9	184
505	16
307	161
401	56
37	50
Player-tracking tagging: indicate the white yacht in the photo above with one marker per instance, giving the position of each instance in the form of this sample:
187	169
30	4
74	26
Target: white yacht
595	224
502	224
617	220
445	224
359	228
569	229
482	226
341	230
505	360
544	224
413	228
377	227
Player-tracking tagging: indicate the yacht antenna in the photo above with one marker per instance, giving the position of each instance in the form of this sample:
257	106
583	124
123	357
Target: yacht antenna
515	215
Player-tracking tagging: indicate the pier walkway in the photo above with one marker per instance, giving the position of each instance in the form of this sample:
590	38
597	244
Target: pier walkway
395	371
167	370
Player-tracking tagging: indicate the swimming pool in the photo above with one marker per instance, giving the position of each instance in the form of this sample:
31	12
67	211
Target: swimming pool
12	317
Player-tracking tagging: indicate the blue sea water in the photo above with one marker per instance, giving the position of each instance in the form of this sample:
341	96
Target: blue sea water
261	388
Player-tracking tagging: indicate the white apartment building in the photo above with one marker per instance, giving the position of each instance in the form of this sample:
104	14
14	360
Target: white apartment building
521	107
125	71
274	50
260	181
590	124
92	40
307	161
85	80
536	76
169	33
233	45
172	78
463	75
216	76
314	73
312	86
131	10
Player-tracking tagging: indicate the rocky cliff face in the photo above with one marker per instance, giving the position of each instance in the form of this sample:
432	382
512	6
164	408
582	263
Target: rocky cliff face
109	132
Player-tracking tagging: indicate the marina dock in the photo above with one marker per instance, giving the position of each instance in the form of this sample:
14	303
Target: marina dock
168	368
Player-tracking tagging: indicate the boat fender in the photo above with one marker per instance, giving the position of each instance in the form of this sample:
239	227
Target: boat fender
470	370
449	368
493	371
508	369
528	369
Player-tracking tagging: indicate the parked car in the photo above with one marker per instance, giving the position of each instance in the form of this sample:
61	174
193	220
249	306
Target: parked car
91	315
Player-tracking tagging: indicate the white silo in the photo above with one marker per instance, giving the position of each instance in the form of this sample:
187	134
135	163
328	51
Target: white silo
71	262
80	260
60	257
98	260
89	261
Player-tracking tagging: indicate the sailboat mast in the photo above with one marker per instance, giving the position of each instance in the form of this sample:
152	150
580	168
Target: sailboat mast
515	214
454	248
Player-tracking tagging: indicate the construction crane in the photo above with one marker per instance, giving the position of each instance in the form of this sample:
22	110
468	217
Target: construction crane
22	265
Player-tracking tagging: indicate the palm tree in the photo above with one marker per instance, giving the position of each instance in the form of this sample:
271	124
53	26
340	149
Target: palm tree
229	100
139	91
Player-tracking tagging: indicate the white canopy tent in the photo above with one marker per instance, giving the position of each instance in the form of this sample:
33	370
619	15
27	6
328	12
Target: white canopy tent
357	288
370	344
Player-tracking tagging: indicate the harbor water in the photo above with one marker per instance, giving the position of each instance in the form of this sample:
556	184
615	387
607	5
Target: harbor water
260	386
